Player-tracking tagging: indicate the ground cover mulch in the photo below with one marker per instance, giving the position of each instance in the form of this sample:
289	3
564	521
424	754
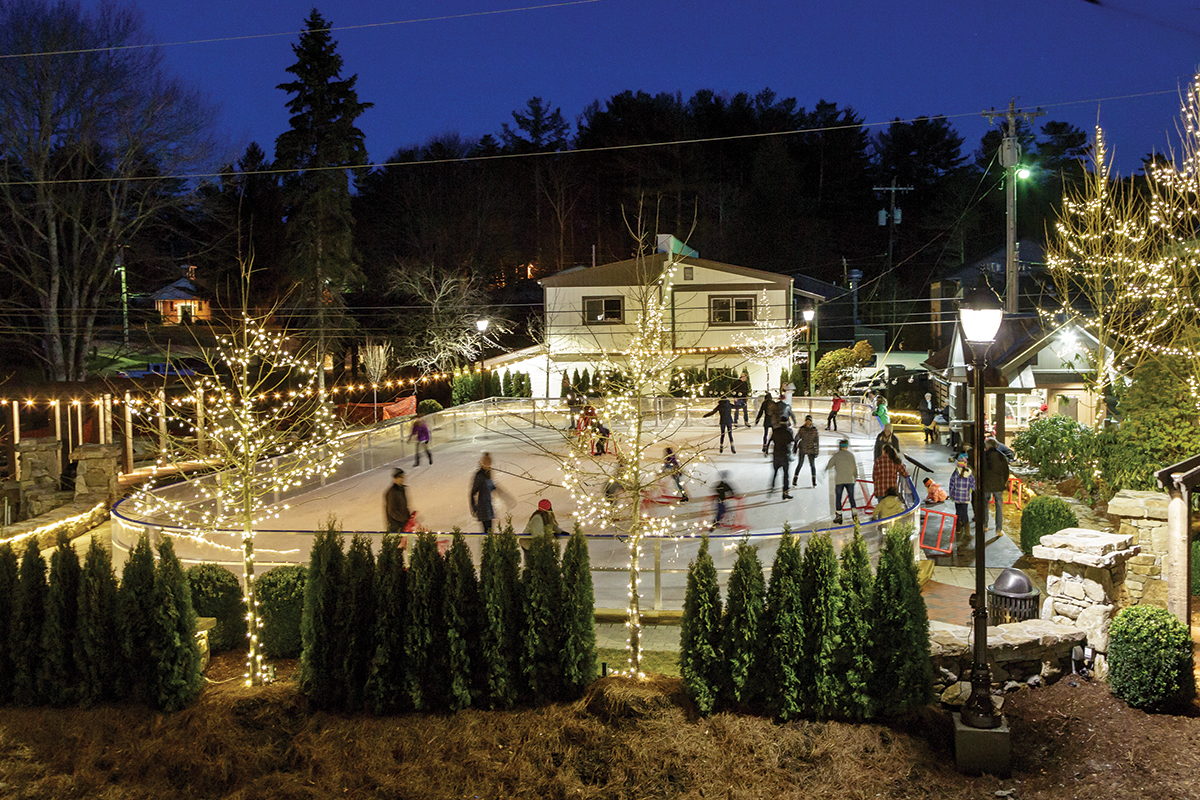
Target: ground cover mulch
622	740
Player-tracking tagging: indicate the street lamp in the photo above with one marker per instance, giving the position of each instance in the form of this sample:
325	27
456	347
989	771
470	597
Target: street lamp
810	317
980	316
481	325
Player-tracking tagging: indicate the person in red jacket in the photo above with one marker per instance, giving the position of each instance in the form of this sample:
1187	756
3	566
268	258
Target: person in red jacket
834	407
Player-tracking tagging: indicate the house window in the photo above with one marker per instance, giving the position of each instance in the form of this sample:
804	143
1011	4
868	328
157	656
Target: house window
603	310
731	310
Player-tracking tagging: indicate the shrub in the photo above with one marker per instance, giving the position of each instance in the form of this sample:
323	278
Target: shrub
1057	446
322	648
541	660
175	679
579	616
784	624
818	607
135	608
503	632
700	658
1150	659
425	645
29	615
462	614
741	628
852	658
1195	566
1042	516
8	592
357	615
428	406
216	593
60	676
98	652
385	687
902	679
281	594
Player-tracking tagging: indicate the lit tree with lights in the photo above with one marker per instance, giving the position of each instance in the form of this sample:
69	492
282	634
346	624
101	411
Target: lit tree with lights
262	429
376	358
770	342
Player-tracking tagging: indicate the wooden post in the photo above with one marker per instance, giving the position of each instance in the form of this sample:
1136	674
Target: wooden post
1179	552
108	419
15	460
79	421
57	406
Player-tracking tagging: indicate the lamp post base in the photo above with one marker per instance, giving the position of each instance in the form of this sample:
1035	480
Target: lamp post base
982	750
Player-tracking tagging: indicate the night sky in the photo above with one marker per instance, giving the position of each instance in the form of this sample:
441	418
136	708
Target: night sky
451	66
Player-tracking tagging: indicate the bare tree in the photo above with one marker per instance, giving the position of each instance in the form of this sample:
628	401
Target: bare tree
439	327
770	342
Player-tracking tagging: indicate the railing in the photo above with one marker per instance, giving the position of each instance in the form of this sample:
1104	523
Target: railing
386	443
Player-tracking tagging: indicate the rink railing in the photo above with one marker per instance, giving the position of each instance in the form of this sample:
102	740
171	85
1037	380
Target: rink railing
387	443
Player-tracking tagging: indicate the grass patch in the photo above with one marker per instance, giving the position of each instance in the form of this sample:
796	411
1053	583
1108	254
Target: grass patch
663	662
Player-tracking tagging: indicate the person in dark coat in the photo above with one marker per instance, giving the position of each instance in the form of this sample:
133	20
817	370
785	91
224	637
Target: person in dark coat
781	439
928	411
808	443
741	398
725	410
395	503
482	488
994	481
885	437
766	413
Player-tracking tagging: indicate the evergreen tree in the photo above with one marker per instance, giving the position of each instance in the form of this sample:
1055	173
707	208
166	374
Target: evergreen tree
97	651
494	384
576	384
385	688
425	643
60	676
903	677
506	384
527	385
504	629
585	384
742	626
318	150
175	679
322	662
786	658
700	657
9	586
135	607
564	388
579	616
462	614
819	604
357	617
541	660
29	615
852	660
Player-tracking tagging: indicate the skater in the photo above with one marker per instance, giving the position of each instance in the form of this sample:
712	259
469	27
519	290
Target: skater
808	443
741	402
671	467
395	503
835	405
482	488
845	473
722	491
928	411
421	431
962	483
543	522
725	412
766	413
994	481
781	439
881	412
887	471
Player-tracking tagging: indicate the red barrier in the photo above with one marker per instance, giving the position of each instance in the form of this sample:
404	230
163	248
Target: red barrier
943	518
868	490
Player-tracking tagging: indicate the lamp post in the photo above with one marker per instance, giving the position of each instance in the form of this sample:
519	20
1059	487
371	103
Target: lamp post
980	316
481	325
810	324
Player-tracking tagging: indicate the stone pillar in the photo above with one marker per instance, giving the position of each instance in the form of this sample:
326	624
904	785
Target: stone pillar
39	478
96	475
1143	518
1177	570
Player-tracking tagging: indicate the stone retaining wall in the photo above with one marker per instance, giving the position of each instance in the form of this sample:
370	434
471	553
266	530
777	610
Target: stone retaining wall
73	519
1143	519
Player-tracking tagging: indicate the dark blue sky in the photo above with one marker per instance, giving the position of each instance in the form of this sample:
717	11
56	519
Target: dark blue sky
1122	59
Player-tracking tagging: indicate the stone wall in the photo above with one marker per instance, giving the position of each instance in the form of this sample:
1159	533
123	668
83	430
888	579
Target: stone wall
96	476
40	474
1143	519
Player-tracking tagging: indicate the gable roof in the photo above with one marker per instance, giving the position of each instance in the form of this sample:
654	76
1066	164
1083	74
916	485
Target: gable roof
182	289
639	271
1020	338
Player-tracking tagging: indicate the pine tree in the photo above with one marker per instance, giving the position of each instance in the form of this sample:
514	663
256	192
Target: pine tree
504	629
585	383
322	664
742	625
564	388
357	617
494	384
576	384
819	604
385	688
700	658
579	616
425	631
175	679
786	658
903	675
462	614
97	651
9	586
60	677
29	615
541	660
506	384
135	609
852	660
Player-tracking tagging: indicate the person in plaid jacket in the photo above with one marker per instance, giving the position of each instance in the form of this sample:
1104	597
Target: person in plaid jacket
887	471
962	483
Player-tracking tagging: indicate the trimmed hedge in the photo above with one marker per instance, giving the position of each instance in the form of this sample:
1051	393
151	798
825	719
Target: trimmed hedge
1042	516
217	593
281	607
1150	659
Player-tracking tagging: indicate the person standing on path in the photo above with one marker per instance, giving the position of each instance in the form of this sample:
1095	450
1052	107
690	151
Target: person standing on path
928	411
808	443
962	483
887	436
845	474
726	419
994	481
766	412
395	503
887	471
781	438
835	406
482	488
421	431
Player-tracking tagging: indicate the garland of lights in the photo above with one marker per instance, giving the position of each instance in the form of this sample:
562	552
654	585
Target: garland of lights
769	342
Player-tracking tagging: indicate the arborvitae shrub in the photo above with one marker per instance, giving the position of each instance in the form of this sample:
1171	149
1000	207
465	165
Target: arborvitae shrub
852	658
9	586
358	619
425	646
28	621
60	676
564	387
428	406
785	664
280	593
1044	515
902	679
1150	659
819	608
385	688
321	630
504	629
462	618
784	375
585	383
216	593
506	384
98	651
175	679
701	662
541	661
579	616
135	609
742	627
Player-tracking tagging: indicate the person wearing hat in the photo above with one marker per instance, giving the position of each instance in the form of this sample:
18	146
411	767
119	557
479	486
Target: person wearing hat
395	503
845	473
962	483
928	411
808	443
542	521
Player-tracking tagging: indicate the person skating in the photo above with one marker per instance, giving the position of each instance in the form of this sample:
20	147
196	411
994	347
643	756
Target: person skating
889	505
808	443
420	430
482	488
395	503
722	492
542	521
781	440
835	405
994	481
672	468
725	410
741	395
845	474
766	411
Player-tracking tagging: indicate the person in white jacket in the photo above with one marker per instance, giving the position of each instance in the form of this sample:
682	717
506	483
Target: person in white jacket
845	473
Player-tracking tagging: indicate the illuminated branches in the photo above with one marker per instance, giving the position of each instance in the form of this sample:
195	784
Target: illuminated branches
770	342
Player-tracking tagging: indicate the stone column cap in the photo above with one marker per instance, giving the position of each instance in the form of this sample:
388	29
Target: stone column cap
93	450
1085	540
1139	504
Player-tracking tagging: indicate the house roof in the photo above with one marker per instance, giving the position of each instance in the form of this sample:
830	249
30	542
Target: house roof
182	289
1020	338
638	271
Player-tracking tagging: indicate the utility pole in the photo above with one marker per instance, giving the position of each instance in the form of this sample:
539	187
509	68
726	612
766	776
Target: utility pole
891	216
120	267
1010	156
